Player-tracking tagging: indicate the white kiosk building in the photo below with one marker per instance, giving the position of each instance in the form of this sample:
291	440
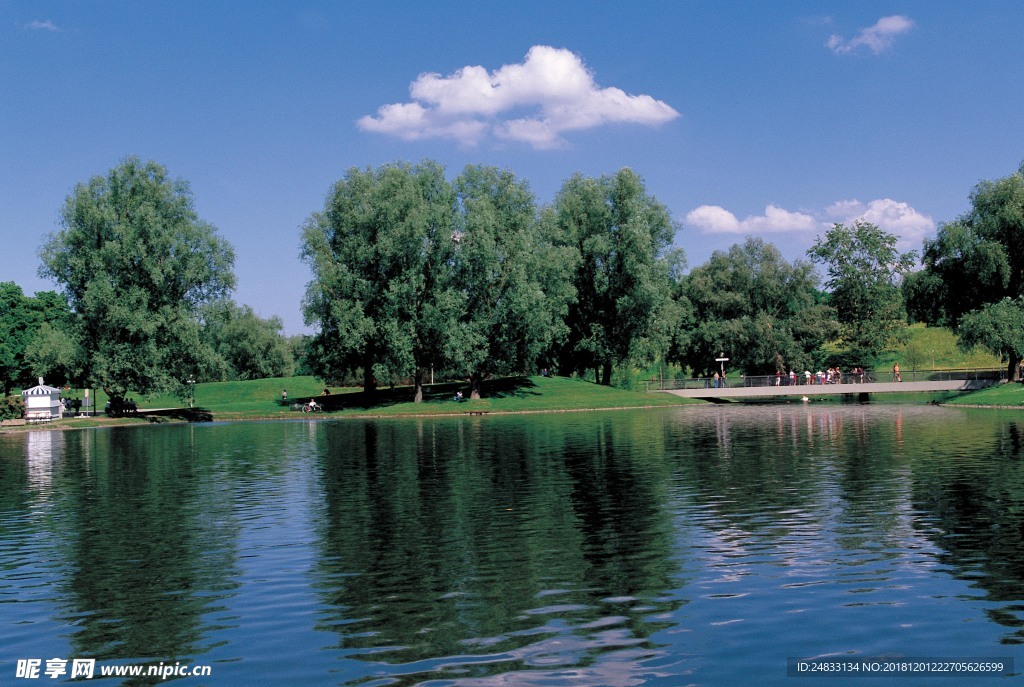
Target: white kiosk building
42	402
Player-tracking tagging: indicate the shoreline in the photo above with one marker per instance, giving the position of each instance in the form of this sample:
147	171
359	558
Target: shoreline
318	417
105	423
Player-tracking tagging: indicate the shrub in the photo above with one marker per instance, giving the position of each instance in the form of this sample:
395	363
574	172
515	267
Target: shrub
12	407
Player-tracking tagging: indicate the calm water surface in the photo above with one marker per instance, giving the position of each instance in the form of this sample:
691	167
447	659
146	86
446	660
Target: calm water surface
693	546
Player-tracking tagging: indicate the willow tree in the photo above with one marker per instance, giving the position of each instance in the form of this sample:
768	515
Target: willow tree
864	274
998	327
621	273
26	323
976	262
760	309
246	346
382	296
515	283
136	263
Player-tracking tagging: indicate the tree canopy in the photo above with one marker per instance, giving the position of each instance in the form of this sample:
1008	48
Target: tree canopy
999	327
135	263
977	258
26	325
514	281
864	274
382	294
412	273
974	264
244	345
621	272
759	309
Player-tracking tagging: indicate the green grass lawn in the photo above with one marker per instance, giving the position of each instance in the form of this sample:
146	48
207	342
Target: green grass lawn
255	396
520	394
261	399
1010	394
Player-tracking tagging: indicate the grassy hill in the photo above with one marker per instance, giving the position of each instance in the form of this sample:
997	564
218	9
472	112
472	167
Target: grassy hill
935	348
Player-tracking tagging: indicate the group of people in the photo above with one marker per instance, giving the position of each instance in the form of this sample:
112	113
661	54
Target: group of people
832	375
310	406
67	404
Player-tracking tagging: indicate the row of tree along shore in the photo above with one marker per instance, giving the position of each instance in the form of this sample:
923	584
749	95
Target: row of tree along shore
415	276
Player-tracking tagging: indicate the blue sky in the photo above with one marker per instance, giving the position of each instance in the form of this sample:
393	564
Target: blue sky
747	118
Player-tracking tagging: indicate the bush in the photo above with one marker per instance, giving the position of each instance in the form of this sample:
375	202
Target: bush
12	408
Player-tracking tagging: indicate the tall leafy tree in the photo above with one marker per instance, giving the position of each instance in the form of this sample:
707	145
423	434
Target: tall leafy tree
864	272
999	327
621	236
246	346
516	289
976	260
26	324
135	263
762	311
382	296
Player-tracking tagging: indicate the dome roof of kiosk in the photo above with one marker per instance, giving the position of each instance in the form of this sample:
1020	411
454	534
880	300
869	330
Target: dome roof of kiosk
41	390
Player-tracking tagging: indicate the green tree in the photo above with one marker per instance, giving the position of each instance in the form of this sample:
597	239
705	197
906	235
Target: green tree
246	345
54	354
382	295
135	263
26	322
516	292
297	344
621	236
976	260
864	273
759	309
999	327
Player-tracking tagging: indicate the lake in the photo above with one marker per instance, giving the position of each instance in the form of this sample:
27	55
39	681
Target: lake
715	545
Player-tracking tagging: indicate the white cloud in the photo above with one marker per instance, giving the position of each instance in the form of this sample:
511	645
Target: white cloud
877	38
899	219
712	219
553	85
38	25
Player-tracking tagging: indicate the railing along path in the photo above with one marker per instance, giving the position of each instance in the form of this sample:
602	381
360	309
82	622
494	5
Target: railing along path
869	382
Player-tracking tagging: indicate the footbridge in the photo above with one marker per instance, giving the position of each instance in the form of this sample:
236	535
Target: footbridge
766	387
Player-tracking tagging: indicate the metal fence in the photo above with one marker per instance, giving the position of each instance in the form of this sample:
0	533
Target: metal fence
872	377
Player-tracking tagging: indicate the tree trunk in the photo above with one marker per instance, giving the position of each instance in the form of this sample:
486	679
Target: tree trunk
1013	369
475	383
418	385
606	374
369	383
118	402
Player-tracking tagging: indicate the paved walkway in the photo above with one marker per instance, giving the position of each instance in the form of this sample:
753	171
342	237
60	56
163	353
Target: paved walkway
831	389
